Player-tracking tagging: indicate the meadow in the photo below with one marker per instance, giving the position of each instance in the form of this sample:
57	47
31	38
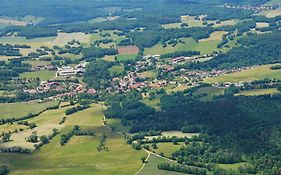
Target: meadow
43	75
210	91
126	57
17	110
255	92
80	154
256	73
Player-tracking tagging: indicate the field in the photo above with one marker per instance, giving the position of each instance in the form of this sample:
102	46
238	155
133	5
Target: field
43	75
128	50
191	21
217	35
126	57
151	167
149	74
12	22
259	92
256	73
166	148
210	91
9	110
273	2
116	69
154	103
80	154
234	166
63	38
271	13
262	24
36	63
204	47
225	23
117	125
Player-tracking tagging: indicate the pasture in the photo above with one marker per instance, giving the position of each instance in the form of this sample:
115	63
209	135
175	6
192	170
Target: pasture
255	92
80	154
256	73
209	91
167	148
204	47
154	103
151	167
116	70
12	22
17	110
35	63
271	13
64	38
273	2
126	57
217	35
42	75
262	24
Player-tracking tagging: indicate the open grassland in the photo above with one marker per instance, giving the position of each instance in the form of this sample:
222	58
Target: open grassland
225	23
117	125
12	22
254	92
151	167
80	154
6	58
178	134
273	2
175	88
126	57
109	58
172	25
64	38
167	148
116	70
11	127
217	35
210	91
35	63
234	166
128	50
43	75
262	24
271	13
191	21
102	19
204	47
256	73
17	110
149	74
154	103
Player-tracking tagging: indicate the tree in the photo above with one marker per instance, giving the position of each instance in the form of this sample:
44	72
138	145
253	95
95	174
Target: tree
154	146
143	159
44	139
6	137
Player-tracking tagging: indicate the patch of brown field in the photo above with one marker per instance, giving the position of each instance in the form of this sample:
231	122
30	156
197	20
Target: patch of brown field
128	50
13	22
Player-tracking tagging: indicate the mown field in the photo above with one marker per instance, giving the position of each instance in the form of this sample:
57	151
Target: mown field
17	110
80	154
256	73
210	92
204	47
254	92
43	75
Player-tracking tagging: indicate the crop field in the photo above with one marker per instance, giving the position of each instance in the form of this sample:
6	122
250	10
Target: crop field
217	35
204	47
126	57
128	50
210	91
17	110
151	167
256	73
80	154
43	75
254	92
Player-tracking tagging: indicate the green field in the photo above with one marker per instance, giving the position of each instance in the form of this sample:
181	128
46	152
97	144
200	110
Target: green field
151	167
166	148
36	63
154	103
256	73
273	2
254	92
126	57
17	110
43	75
210	91
234	166
190	44
116	69
117	125
80	154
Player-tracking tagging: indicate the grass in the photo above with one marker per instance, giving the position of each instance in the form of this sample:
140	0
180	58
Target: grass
116	69
204	47
256	73
254	92
210	91
17	110
172	25
11	127
36	63
154	103
63	38
273	2
234	166
149	74
271	13
262	24
117	125
151	167
80	154
167	148
43	75
126	57
178	134
217	35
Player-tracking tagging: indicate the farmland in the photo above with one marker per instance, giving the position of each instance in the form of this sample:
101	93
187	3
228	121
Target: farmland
254	92
79	152
256	73
7	110
42	75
